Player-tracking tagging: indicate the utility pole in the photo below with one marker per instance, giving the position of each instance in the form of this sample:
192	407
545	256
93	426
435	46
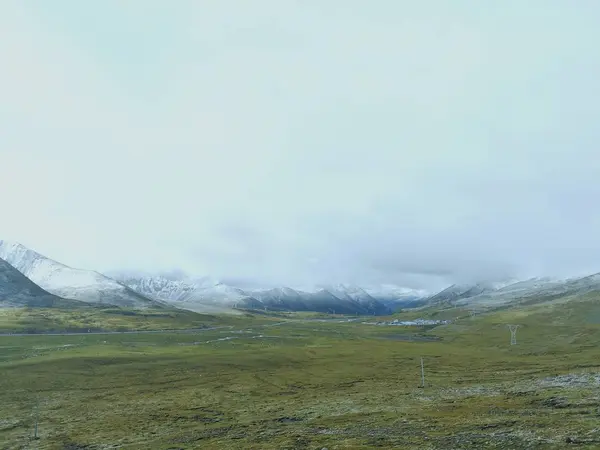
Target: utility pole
37	417
422	374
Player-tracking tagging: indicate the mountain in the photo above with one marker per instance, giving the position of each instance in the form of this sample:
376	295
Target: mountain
324	301
67	282
282	298
16	290
461	292
395	297
171	287
204	294
224	294
338	301
534	290
392	292
369	303
450	294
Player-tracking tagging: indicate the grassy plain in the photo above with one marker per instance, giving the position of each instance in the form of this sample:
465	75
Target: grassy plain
93	319
272	383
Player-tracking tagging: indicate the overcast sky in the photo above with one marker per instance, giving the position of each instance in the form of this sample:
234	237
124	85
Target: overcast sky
409	142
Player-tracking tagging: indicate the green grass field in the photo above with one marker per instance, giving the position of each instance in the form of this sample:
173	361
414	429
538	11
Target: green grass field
45	320
273	383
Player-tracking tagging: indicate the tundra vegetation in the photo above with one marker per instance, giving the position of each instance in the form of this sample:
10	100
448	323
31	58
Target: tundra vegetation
263	382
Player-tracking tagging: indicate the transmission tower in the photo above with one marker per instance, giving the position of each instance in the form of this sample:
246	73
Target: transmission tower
513	334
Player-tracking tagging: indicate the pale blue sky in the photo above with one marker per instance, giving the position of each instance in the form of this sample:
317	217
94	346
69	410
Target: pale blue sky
304	141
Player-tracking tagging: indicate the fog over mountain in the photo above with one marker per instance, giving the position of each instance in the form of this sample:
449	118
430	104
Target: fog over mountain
418	144
67	282
32	279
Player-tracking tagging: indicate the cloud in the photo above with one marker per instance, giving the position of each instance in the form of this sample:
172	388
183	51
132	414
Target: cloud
303	142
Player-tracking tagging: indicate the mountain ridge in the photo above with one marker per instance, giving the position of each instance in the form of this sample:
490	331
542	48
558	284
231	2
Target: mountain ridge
205	293
16	290
70	283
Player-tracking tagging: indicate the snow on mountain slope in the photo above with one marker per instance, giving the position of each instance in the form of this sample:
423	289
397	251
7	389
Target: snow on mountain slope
530	285
396	297
320	300
390	292
66	282
339	299
360	296
17	290
450	294
355	293
224	294
280	297
466	294
202	294
479	289
324	301
173	287
534	289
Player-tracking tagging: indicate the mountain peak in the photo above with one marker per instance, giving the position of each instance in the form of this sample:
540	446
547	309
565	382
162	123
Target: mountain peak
67	282
12	250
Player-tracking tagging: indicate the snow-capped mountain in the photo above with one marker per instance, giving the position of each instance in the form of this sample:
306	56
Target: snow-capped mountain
392	292
491	295
280	298
396	297
203	294
17	290
173	287
319	299
360	296
225	295
450	294
67	282
457	292
324	301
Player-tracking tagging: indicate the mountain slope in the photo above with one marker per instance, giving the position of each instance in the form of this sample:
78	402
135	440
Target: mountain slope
450	294
224	294
324	301
206	294
195	294
166	287
16	290
282	298
369	303
532	291
396	297
66	282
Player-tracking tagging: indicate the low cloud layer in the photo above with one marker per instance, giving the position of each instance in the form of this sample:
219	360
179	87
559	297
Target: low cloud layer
304	142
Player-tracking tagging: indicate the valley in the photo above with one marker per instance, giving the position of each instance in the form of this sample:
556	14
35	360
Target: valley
299	225
302	382
183	363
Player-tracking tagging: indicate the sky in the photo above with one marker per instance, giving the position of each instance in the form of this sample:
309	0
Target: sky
296	142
